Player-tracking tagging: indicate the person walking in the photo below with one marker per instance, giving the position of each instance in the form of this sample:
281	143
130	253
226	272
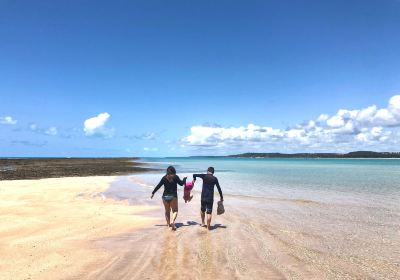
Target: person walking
207	195
170	195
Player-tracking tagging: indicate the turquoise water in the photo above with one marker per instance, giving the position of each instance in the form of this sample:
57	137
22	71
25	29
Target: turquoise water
340	216
374	182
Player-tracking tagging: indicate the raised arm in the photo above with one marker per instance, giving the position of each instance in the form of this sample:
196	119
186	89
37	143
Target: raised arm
219	189
157	187
179	181
198	176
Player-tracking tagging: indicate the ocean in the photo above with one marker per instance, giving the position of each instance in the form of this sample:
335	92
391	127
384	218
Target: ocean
336	218
366	181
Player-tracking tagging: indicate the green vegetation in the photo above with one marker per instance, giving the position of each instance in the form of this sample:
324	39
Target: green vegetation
357	154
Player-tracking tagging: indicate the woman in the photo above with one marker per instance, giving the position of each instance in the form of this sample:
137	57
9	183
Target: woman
170	194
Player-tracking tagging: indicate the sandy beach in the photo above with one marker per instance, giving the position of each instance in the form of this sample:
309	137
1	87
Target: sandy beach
108	228
48	226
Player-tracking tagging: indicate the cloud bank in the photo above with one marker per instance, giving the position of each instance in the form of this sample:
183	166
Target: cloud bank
95	126
370	127
7	120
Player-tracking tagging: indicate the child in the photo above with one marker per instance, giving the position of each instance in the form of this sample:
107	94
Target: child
186	193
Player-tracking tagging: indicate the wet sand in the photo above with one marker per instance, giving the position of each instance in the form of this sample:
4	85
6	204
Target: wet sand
259	238
108	228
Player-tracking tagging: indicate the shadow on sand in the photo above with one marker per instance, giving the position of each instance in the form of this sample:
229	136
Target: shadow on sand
193	223
217	226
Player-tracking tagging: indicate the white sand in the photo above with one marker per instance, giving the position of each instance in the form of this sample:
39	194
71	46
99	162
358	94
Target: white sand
47	226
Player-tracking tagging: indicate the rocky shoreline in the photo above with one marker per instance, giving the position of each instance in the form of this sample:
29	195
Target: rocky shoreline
38	168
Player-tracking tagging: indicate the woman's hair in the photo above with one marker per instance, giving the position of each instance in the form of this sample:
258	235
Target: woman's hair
170	173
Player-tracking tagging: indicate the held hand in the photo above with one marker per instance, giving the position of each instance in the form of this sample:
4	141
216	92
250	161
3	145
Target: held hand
184	178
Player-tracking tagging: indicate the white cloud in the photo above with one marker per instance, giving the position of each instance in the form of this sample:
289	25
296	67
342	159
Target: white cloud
346	129
33	127
375	134
145	136
323	117
51	131
365	115
217	136
335	121
96	126
147	149
7	120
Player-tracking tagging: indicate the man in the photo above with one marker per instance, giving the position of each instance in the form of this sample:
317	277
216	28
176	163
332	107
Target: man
207	194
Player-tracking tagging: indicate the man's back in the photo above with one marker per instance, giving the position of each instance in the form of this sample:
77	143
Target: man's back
209	181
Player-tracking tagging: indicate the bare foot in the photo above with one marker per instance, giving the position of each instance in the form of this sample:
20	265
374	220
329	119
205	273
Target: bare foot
173	227
209	227
203	225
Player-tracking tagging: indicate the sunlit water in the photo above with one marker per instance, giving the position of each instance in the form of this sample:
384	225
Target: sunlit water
373	182
339	217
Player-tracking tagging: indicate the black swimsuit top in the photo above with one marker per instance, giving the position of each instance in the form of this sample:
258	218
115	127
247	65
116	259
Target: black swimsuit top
170	188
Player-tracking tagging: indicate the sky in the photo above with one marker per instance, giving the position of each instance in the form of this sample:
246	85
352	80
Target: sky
179	78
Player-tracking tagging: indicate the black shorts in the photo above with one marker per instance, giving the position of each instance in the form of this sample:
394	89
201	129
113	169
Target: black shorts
168	198
207	206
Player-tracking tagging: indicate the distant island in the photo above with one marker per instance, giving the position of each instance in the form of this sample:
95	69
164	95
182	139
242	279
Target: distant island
357	154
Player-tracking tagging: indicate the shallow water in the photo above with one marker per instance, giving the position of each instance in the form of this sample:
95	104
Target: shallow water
372	182
257	238
340	217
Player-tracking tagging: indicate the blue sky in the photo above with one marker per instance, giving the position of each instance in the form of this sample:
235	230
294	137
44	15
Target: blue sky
172	78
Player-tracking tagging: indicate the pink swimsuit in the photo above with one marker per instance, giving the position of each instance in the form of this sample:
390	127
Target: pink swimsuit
186	193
